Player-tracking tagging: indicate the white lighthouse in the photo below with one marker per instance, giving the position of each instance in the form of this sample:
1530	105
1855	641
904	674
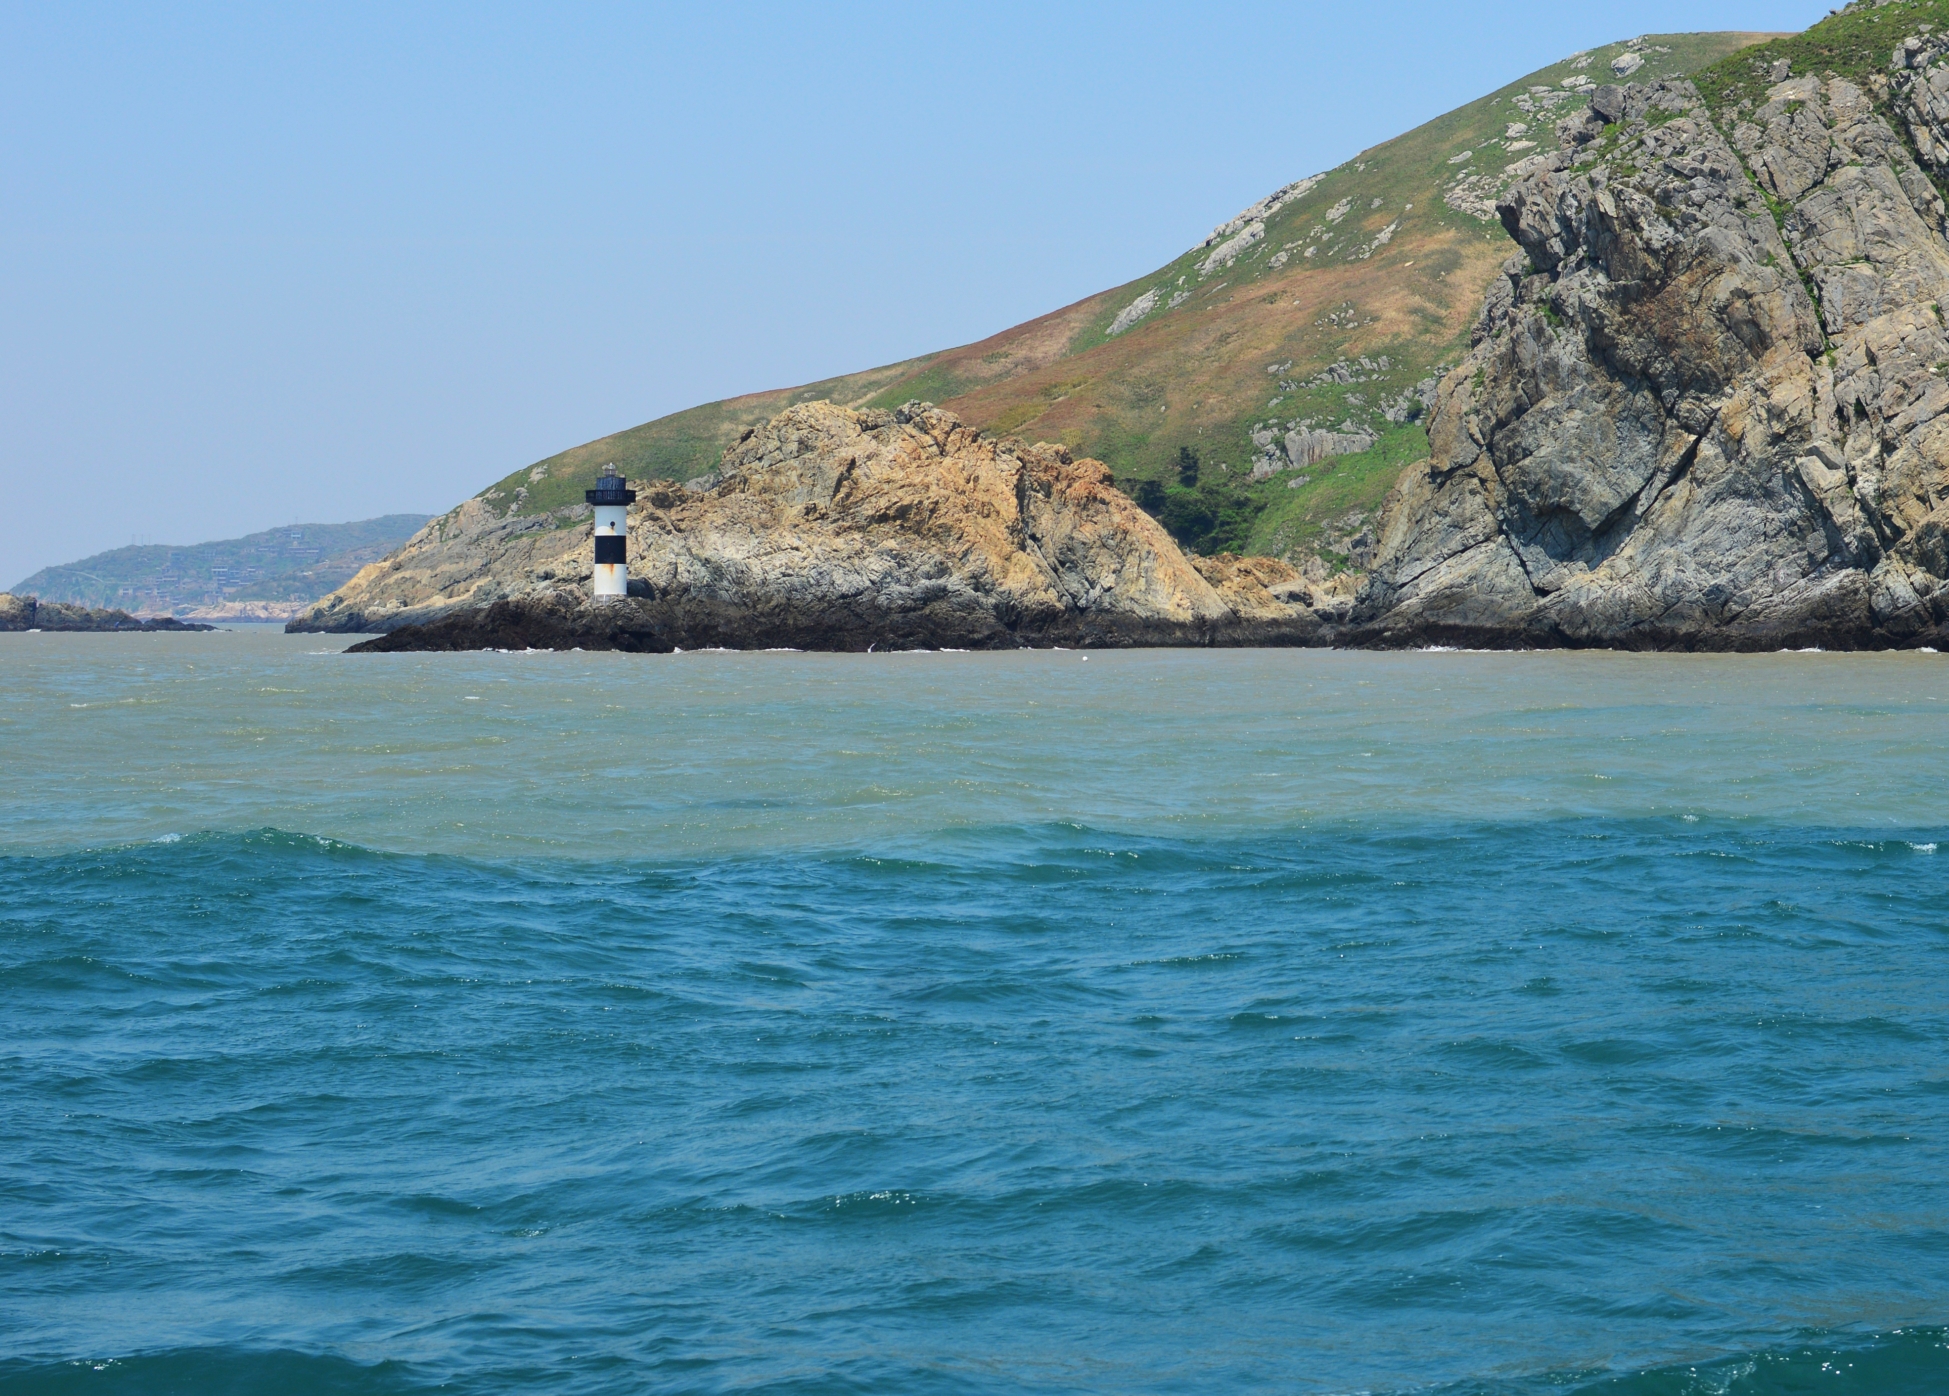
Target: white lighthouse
612	498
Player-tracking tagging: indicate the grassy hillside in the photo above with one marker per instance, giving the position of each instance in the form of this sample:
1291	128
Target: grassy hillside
1855	43
1330	306
296	564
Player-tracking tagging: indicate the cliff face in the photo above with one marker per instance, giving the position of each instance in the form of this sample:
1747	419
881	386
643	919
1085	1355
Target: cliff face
838	529
1705	407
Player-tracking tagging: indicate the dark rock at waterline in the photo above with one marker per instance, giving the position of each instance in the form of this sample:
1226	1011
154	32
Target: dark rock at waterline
31	613
652	626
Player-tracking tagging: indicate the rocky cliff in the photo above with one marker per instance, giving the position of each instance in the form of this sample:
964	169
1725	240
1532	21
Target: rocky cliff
829	528
1705	405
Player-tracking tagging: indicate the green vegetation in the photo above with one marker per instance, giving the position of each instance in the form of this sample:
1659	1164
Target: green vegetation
1854	43
935	383
1226	511
1306	517
299	563
1324	312
681	446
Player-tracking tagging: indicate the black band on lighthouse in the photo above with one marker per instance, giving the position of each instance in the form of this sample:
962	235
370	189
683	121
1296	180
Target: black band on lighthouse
611	547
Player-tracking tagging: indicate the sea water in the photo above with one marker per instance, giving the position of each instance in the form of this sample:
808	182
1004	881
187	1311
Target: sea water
1043	1022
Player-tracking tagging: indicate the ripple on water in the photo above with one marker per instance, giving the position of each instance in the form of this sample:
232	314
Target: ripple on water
883	1030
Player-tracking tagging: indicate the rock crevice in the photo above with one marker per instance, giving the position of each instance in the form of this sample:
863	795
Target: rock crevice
1704	407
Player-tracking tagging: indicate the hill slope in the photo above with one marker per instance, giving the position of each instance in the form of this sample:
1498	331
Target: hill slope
1297	343
273	574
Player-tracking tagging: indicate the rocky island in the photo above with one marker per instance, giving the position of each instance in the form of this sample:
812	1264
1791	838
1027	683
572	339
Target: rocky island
1703	406
31	613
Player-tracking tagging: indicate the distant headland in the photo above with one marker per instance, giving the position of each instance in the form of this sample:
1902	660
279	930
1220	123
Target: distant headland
267	576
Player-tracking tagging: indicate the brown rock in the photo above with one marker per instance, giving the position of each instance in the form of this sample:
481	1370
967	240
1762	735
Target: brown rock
29	613
837	529
1660	439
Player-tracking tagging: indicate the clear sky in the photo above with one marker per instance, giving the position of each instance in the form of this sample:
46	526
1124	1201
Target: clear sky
288	262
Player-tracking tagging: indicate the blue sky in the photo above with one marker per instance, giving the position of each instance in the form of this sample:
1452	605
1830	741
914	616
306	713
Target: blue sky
319	262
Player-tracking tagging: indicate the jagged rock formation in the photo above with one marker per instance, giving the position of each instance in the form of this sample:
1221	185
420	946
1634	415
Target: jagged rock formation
31	613
1705	408
838	529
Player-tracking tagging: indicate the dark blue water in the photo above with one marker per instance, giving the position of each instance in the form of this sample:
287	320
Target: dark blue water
1640	1106
1150	1022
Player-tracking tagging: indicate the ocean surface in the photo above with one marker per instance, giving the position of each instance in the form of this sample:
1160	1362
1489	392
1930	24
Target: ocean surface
1139	1022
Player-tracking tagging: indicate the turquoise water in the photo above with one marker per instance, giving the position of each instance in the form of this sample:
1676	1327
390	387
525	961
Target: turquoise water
1262	1021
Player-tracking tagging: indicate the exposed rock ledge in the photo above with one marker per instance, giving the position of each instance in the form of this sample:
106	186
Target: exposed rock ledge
841	530
30	613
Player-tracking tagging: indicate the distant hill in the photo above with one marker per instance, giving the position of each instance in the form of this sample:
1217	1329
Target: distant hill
270	575
1264	390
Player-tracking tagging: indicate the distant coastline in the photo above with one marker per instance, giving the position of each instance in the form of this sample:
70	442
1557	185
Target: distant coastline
272	575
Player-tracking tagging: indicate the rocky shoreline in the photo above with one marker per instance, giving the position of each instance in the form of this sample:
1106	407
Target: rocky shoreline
640	625
19	613
1706	408
846	530
567	621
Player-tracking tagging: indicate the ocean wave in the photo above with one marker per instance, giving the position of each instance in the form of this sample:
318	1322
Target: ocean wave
1035	1105
1896	1363
1899	1362
214	1369
1062	849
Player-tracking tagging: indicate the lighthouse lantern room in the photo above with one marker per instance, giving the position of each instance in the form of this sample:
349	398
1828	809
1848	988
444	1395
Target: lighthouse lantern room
612	498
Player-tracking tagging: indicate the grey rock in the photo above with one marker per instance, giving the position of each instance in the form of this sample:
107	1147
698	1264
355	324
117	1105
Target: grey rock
1659	439
1309	447
1134	312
